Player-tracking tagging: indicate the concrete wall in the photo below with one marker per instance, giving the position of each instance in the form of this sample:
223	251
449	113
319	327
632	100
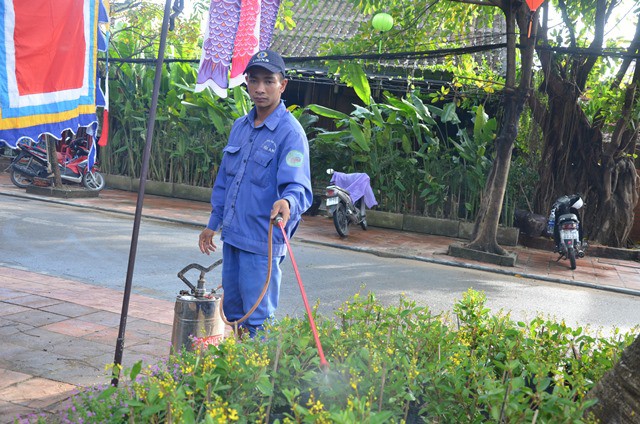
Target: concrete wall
435	226
417	224
181	191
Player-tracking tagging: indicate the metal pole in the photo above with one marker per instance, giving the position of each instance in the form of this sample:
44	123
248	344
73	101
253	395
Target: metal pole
117	361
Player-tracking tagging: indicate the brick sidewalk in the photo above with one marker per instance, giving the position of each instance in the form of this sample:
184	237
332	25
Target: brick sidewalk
58	335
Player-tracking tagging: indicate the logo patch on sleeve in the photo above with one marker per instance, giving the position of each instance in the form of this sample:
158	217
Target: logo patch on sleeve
295	159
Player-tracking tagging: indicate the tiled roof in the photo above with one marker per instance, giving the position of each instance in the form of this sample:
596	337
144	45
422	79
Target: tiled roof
328	20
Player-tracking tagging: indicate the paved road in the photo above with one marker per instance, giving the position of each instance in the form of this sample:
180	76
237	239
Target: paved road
93	247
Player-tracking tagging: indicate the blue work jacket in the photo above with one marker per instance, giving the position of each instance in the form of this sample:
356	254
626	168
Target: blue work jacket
261	165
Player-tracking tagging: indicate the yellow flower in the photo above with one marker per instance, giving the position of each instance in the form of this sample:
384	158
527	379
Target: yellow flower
258	360
456	359
140	391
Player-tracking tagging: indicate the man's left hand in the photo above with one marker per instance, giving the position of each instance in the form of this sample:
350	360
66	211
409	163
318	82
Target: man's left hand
281	207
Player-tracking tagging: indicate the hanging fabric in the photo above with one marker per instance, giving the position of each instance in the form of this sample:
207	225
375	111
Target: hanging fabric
48	67
236	30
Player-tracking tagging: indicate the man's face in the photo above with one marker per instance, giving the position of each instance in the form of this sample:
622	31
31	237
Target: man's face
265	87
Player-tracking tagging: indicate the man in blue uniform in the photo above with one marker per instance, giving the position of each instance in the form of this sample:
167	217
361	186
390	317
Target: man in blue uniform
264	172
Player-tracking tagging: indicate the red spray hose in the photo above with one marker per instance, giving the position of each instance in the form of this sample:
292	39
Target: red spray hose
324	365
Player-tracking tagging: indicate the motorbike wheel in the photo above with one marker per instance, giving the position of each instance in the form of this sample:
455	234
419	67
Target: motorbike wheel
340	220
571	254
93	181
19	179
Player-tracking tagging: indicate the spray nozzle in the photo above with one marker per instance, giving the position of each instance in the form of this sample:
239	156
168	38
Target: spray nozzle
279	220
200	290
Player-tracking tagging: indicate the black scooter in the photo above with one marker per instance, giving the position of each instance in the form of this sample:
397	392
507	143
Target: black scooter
564	224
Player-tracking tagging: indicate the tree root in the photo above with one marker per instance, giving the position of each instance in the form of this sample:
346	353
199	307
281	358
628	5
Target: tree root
488	247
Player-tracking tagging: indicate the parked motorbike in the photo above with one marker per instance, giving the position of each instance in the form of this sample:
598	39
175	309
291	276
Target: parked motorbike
566	230
73	160
340	201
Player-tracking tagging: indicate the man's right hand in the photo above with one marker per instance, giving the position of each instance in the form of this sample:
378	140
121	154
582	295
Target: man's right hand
205	241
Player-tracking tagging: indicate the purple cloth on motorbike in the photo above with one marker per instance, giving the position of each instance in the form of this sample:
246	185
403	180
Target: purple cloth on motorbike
358	185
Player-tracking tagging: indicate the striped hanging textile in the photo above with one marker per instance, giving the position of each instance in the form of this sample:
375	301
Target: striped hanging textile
48	67
236	30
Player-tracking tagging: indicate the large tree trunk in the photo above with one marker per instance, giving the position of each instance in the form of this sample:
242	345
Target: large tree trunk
586	157
486	225
52	156
618	391
576	159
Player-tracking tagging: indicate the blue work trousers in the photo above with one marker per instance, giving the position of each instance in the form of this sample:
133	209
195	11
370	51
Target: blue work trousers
243	277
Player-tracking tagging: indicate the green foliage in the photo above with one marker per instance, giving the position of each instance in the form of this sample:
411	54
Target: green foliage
285	19
413	28
387	364
523	174
136	26
603	104
414	31
421	158
358	80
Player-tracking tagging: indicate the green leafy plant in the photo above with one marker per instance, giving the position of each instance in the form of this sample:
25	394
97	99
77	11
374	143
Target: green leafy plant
388	364
421	158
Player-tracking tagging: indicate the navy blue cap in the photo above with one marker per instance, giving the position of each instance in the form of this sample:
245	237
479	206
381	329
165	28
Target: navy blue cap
267	59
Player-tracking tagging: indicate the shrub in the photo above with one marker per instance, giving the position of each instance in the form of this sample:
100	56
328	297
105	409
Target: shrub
388	364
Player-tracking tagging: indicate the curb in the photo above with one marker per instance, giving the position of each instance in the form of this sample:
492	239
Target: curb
446	262
102	209
372	251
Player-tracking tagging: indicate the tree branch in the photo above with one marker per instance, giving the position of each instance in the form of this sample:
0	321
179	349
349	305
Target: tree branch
125	5
481	2
539	111
623	122
510	15
567	21
633	48
583	71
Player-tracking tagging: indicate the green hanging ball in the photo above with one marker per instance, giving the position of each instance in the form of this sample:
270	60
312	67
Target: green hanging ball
382	22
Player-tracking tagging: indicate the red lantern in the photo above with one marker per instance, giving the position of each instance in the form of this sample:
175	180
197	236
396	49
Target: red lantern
533	6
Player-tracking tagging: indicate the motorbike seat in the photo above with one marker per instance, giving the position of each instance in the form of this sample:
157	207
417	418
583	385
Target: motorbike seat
567	217
338	188
38	149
